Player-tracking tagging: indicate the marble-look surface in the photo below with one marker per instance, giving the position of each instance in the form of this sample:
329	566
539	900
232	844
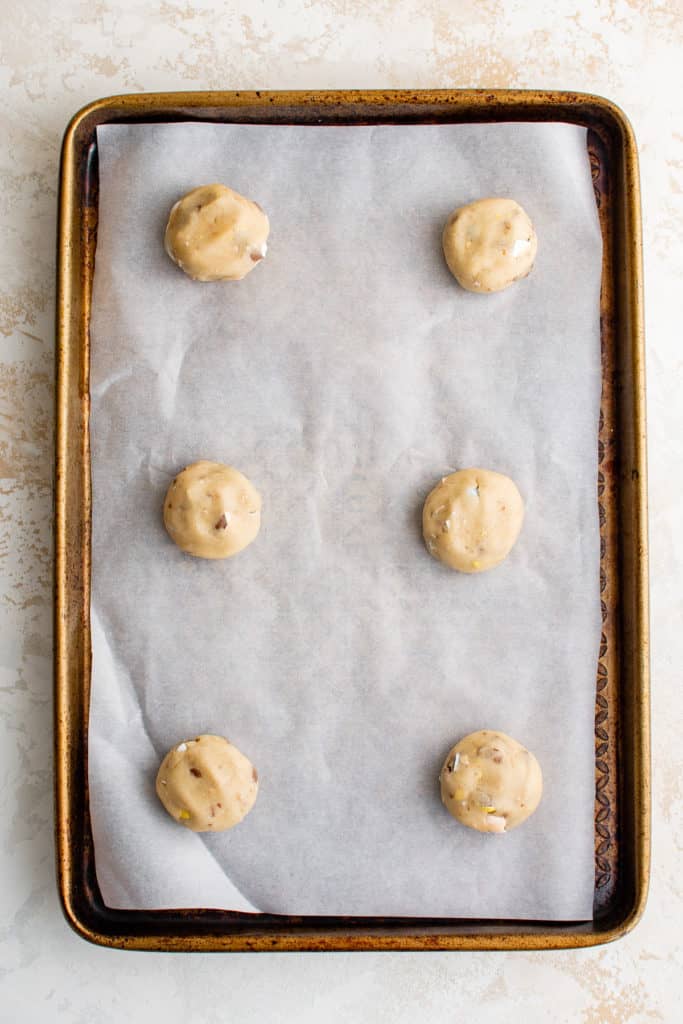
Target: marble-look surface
56	56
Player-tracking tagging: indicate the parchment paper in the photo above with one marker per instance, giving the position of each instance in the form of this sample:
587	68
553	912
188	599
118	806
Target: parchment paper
344	376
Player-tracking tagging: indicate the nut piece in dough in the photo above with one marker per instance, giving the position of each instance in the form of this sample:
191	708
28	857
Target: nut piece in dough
206	784
215	234
490	782
489	244
472	518
212	510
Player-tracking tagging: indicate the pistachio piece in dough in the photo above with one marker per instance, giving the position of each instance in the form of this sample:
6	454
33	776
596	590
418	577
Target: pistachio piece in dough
206	784
489	244
490	782
215	234
472	518
212	510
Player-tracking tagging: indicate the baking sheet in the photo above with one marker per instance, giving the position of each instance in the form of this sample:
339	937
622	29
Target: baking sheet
344	376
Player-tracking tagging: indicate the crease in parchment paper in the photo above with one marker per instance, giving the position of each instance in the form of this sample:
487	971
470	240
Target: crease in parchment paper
344	376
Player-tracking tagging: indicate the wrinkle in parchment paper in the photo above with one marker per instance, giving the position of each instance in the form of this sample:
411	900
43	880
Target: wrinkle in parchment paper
344	376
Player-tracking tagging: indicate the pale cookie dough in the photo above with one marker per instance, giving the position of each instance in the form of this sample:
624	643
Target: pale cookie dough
212	510
215	234
490	782
206	784
489	244
472	518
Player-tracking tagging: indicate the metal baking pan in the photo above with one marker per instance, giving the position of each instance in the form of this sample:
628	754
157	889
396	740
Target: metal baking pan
622	739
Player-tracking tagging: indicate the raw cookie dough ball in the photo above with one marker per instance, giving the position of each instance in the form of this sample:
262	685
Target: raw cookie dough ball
490	782
215	234
489	244
471	519
212	510
206	784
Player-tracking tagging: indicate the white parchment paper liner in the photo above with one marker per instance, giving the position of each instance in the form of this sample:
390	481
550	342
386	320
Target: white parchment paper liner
344	376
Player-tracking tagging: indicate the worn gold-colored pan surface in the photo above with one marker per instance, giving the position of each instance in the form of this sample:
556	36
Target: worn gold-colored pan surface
622	755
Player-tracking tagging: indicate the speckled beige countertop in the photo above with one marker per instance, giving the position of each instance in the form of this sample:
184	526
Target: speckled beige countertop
56	56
